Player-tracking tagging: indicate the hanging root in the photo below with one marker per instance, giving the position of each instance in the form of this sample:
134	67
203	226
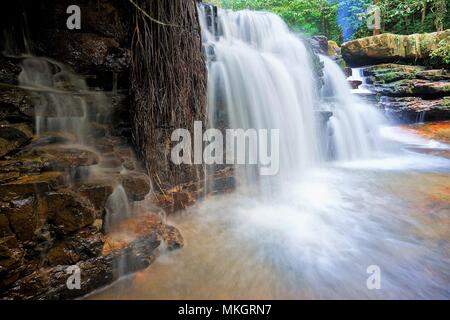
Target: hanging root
169	79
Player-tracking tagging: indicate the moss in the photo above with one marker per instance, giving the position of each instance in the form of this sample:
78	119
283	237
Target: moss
446	102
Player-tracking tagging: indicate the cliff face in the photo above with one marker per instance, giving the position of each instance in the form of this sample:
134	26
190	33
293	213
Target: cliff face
120	96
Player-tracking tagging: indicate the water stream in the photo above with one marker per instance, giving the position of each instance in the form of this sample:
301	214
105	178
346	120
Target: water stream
371	203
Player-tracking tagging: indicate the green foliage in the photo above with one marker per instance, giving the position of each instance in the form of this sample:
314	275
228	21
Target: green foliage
309	16
315	17
441	55
411	16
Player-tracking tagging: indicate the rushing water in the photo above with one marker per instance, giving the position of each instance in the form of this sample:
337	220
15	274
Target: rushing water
374	203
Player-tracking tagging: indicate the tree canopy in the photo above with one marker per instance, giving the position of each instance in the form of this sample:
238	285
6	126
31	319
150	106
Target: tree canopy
343	20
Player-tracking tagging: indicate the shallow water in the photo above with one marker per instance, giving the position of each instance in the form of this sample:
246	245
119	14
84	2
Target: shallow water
315	239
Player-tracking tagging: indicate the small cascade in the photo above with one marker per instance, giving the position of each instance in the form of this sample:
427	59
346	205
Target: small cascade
358	77
64	102
354	125
117	208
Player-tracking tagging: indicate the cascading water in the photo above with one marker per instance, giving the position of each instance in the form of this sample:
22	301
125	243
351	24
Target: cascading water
354	125
358	75
327	227
260	78
65	103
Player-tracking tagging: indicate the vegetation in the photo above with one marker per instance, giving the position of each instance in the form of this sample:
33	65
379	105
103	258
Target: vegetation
308	16
342	20
442	53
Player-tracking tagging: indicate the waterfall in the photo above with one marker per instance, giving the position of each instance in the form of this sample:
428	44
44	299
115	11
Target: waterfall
260	77
64	102
354	125
117	207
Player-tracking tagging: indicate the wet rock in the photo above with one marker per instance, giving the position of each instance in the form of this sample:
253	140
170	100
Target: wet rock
23	217
413	87
136	185
13	136
182	200
96	193
354	83
89	51
81	246
172	238
50	138
333	49
413	109
434	75
60	157
388	47
31	184
390	72
5	228
69	211
11	260
319	44
16	105
8	71
348	72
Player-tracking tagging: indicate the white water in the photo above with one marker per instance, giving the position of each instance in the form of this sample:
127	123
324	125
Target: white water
260	78
64	102
317	236
357	75
354	125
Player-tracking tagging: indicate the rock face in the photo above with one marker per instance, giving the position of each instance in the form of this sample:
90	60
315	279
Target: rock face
411	93
416	109
414	87
389	47
319	44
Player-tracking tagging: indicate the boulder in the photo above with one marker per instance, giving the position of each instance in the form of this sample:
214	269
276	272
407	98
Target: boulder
16	105
412	109
136	185
355	83
82	246
69	211
23	217
11	260
172	237
333	49
96	192
319	44
388	47
13	136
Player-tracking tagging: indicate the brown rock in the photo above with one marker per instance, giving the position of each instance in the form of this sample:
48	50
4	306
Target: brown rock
172	237
12	136
31	184
11	260
97	193
68	211
412	109
59	157
136	185
354	83
23	218
81	246
388	47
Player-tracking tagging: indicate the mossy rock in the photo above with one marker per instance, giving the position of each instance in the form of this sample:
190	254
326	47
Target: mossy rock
388	47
